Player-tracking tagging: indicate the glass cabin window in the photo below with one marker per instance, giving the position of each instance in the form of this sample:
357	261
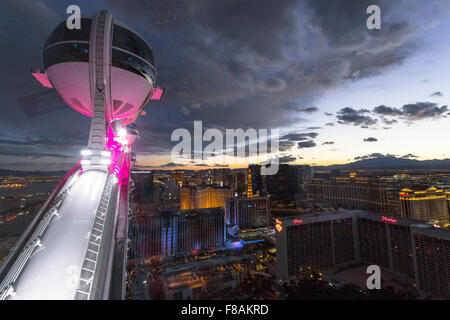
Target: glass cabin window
128	62
127	40
67	52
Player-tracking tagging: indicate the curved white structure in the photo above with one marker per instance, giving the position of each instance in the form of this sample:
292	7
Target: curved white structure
53	270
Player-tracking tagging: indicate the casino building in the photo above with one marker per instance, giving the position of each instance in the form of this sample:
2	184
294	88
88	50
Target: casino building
173	233
429	204
412	250
359	193
204	197
248	212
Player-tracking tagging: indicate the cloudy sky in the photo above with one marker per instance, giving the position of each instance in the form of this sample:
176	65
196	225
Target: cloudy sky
337	91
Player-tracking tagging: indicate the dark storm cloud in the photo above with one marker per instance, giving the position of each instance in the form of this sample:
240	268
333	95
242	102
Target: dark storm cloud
411	112
387	111
355	117
299	136
370	139
306	144
437	94
286	159
388	122
423	110
308	110
229	63
408	113
230	39
285	145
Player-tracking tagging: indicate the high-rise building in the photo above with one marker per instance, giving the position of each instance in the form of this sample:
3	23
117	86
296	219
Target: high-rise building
222	177
308	243
174	233
289	180
248	212
207	197
413	250
305	175
254	181
353	193
428	204
143	186
284	182
241	182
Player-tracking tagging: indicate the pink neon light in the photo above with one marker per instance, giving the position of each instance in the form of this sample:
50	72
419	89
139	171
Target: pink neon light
42	78
383	218
298	221
120	165
157	94
11	218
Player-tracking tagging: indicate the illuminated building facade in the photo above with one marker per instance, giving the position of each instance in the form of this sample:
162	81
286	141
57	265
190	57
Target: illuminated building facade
313	243
249	183
207	197
414	251
254	181
430	204
177	233
248	212
353	193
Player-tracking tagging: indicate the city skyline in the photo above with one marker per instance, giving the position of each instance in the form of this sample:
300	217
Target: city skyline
322	79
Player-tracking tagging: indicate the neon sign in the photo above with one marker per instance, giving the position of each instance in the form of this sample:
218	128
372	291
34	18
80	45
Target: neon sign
297	221
278	227
386	219
10	218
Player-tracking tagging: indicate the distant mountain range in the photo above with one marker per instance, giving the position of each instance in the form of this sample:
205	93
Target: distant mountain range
374	163
389	163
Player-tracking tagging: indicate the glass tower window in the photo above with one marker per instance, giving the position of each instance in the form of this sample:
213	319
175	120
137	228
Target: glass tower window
62	33
127	40
66	52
